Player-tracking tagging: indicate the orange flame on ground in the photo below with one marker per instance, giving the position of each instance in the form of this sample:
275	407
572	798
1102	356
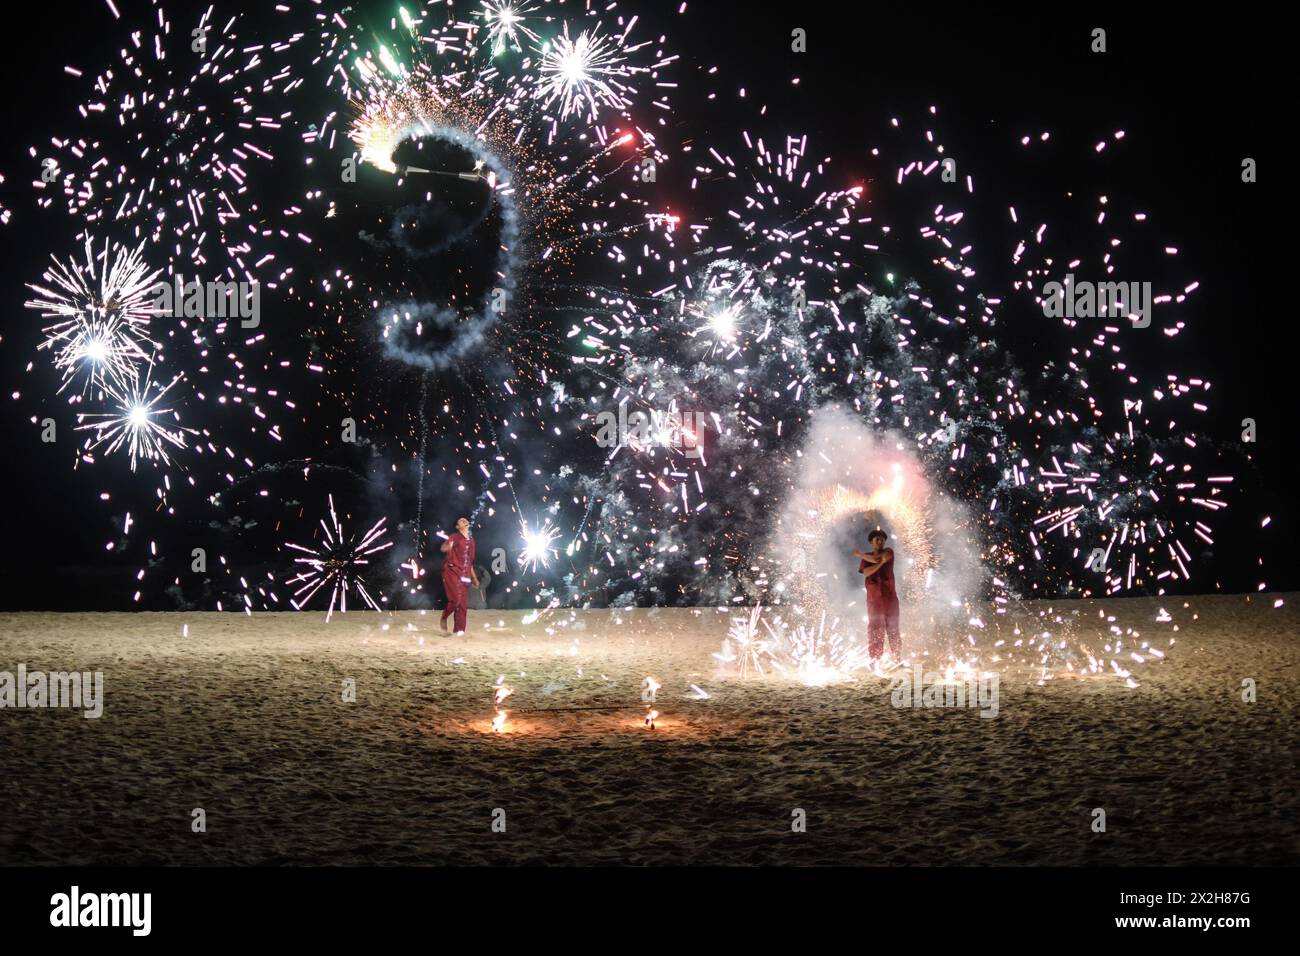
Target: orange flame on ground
499	721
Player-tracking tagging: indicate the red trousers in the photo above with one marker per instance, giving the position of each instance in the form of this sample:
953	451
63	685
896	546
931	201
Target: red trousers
882	619
457	599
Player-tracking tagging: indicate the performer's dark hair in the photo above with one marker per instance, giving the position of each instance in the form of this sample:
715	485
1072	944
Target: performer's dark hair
877	534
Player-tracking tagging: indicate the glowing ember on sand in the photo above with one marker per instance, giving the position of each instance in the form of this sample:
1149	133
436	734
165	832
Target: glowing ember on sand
498	697
649	690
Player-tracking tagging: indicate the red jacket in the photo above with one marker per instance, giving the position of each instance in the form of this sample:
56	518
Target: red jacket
880	586
460	558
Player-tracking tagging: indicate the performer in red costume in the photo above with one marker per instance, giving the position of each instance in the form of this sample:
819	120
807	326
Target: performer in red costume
882	598
458	573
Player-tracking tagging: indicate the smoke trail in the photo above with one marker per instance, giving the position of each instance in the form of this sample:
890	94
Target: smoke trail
436	337
419	483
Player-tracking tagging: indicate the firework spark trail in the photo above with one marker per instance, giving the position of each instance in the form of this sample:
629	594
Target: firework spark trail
419	464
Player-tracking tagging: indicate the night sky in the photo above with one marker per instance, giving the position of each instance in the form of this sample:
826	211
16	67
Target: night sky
1194	97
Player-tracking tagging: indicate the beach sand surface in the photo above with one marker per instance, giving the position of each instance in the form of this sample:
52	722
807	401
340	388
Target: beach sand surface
245	717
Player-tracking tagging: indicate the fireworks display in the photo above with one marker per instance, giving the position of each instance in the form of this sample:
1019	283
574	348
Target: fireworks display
479	229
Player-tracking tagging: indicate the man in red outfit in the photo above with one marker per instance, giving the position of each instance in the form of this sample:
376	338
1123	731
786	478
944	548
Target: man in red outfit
457	574
882	598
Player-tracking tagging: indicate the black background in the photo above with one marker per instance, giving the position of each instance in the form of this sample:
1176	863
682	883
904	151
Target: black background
921	907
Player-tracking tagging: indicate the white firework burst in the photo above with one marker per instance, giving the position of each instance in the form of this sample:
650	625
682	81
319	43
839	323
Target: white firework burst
506	22
720	326
100	332
537	546
97	350
583	75
338	564
139	422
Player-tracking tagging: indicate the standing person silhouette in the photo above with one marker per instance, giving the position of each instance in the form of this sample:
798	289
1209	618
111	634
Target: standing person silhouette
457	574
882	597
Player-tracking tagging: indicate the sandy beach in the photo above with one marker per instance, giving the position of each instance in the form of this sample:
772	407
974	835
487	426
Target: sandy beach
245	718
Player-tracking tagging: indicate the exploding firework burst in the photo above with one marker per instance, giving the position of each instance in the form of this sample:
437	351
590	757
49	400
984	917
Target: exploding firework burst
538	547
815	655
507	24
338	565
100	332
584	74
138	423
746	646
